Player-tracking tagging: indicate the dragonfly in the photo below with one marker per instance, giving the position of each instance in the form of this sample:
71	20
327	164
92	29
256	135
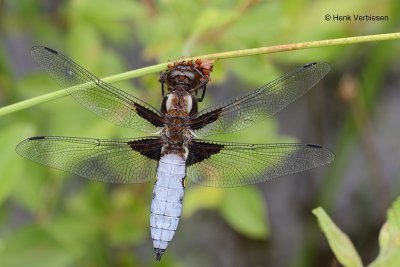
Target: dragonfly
175	148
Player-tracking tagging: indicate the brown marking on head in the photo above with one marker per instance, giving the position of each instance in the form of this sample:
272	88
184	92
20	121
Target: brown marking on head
205	66
187	75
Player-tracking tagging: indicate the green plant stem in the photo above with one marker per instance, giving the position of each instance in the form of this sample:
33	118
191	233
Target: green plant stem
216	56
304	45
54	95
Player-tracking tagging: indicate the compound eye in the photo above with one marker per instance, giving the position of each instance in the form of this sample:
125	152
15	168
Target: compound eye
190	75
173	73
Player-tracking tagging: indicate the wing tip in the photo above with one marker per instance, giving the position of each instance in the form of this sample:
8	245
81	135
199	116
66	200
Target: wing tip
310	64
314	145
329	155
324	64
37	49
36	137
50	50
19	149
40	47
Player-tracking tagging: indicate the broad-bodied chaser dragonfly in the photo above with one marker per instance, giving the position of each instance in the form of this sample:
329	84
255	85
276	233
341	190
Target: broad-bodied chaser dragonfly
176	151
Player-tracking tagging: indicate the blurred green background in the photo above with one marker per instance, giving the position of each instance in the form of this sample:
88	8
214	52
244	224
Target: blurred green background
51	218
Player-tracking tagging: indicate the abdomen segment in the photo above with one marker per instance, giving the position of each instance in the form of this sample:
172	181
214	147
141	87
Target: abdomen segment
166	206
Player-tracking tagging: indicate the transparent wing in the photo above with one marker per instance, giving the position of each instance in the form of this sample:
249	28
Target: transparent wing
220	164
99	97
244	111
119	161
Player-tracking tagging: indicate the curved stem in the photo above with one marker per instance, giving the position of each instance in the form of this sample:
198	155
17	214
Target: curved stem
216	56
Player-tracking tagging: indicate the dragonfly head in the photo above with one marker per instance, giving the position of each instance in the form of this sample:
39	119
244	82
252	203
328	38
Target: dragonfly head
189	76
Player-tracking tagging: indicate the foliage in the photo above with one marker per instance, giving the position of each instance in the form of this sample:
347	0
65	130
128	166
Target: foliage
338	241
389	237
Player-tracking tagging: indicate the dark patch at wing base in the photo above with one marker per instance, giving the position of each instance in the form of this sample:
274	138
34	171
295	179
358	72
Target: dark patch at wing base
205	119
149	115
151	148
199	151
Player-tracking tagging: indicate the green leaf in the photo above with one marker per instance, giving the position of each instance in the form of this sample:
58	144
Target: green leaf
338	241
244	210
389	239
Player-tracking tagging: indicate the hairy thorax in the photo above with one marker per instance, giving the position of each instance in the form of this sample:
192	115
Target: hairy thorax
176	134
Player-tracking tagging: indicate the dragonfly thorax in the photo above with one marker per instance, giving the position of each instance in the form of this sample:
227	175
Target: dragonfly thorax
179	105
